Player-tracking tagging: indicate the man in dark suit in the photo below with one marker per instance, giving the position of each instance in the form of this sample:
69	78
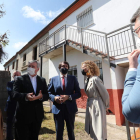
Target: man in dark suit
63	92
30	90
10	107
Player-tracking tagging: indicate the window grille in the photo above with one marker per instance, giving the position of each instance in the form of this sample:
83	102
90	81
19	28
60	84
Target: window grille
85	18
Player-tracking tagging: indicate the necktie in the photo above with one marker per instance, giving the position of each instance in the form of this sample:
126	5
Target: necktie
86	84
63	83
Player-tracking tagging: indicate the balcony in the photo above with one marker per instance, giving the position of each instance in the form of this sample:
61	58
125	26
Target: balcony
113	45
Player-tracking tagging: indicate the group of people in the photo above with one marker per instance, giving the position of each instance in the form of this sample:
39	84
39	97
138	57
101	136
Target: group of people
27	93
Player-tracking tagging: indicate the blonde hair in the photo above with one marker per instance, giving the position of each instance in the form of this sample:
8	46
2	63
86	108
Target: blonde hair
93	68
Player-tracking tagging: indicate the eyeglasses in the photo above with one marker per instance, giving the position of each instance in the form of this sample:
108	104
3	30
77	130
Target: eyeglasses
136	31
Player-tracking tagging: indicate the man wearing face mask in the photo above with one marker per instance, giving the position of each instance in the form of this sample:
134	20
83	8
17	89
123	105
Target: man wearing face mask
11	107
63	91
30	90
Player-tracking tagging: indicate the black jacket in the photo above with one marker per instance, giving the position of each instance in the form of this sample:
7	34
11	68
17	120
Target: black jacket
28	111
10	104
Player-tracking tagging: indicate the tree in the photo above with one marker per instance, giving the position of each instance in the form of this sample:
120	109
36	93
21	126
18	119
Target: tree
1	11
3	37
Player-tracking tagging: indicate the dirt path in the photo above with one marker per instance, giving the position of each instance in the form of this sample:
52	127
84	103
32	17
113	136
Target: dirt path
113	133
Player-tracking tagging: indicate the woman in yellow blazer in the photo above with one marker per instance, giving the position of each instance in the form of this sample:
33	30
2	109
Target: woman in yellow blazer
97	102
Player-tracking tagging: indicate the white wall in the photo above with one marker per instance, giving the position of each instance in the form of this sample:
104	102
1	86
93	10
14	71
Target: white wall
108	15
106	75
75	57
117	77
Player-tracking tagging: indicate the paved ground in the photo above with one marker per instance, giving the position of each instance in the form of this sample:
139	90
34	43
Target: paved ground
114	132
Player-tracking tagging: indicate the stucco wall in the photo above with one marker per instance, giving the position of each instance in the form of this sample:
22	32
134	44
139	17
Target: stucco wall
75	58
108	15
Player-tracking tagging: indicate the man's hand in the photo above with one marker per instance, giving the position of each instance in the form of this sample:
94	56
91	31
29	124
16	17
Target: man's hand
58	99
39	96
133	58
65	97
30	97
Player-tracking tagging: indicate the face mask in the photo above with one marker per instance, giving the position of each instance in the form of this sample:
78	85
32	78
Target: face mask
15	78
30	71
63	70
83	72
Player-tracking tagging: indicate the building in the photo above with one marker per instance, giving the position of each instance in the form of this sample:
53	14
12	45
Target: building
97	30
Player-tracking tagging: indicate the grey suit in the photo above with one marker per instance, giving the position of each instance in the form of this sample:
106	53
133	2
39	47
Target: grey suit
95	122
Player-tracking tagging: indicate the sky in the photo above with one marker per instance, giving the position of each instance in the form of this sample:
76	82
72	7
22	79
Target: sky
26	18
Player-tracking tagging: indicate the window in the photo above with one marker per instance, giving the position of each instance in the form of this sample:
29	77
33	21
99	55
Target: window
99	64
73	71
85	18
16	64
13	65
35	53
24	59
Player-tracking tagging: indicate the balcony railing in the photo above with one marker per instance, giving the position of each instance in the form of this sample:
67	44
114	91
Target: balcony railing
121	41
116	43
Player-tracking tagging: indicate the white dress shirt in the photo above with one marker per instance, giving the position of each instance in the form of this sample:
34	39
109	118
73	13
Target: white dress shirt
34	83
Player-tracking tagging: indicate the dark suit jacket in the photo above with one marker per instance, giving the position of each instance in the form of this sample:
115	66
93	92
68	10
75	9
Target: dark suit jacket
10	104
28	111
71	88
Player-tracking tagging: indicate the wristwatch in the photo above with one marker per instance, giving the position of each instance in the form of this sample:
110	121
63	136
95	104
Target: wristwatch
70	98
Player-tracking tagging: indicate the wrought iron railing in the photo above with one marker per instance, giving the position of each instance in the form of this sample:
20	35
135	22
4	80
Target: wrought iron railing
52	40
116	43
121	41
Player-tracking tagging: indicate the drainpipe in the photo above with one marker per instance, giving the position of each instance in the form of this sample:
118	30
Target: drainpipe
41	66
64	52
107	50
